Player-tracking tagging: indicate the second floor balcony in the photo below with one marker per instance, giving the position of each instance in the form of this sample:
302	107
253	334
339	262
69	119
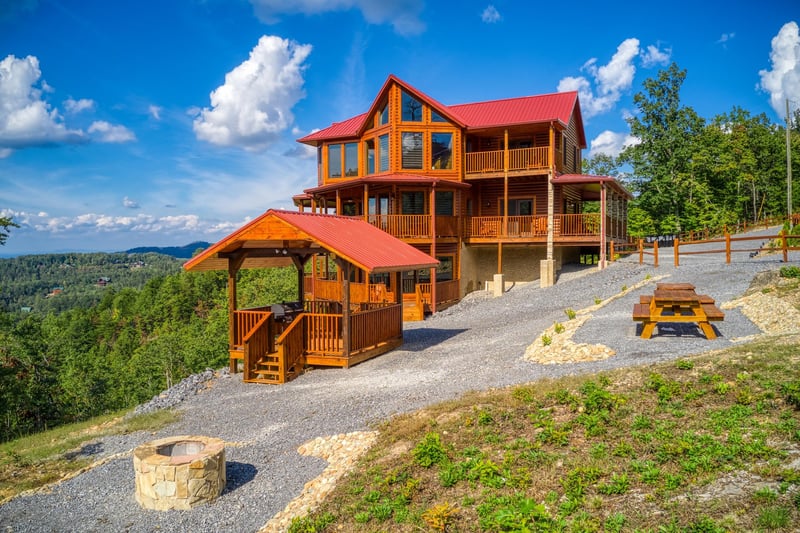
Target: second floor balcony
520	160
529	228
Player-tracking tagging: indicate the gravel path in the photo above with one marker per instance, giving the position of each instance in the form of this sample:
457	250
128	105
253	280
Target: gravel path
476	345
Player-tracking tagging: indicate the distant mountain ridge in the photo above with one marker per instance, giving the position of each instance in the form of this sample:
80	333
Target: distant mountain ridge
180	252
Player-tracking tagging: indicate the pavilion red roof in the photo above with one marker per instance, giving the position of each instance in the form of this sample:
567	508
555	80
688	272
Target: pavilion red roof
352	239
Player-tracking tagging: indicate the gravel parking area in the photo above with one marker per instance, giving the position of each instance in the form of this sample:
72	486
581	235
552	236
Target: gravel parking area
475	345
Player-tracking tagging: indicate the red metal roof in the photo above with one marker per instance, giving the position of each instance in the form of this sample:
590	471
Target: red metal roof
337	130
352	239
377	179
523	110
578	179
558	107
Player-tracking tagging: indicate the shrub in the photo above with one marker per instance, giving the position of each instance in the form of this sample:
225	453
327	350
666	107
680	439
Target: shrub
570	313
430	451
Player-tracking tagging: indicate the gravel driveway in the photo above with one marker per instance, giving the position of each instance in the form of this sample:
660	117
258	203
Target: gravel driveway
476	345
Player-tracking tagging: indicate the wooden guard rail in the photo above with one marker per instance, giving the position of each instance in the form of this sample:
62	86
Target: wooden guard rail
323	333
374	326
290	346
415	226
257	343
728	250
244	320
579	225
518	159
331	290
446	291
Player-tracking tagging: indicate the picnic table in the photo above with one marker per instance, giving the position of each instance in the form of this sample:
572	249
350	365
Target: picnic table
676	302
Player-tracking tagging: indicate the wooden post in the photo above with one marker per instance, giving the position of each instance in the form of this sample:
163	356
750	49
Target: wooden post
677	251
338	203
499	257
344	268
505	184
365	208
655	254
433	247
603	228
611	251
785	247
727	248
234	264
641	251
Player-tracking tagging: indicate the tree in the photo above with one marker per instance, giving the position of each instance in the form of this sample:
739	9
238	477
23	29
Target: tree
661	161
5	224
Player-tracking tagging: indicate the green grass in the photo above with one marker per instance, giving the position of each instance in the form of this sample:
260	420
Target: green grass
36	460
621	451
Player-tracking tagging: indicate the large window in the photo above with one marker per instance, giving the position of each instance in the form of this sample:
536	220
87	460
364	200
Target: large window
342	160
412	150
351	159
369	152
413	202
335	161
383	115
441	150
383	153
444	203
436	117
412	108
518	206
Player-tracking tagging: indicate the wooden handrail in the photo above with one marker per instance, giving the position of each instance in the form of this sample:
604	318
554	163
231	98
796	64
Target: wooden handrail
323	333
256	343
372	327
290	345
244	321
518	159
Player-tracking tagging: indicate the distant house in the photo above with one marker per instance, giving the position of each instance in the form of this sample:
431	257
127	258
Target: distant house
103	281
487	188
55	291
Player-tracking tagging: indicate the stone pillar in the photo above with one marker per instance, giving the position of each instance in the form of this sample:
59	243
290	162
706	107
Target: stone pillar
547	272
498	285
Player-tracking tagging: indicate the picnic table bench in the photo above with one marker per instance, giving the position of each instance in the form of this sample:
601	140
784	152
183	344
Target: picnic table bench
676	302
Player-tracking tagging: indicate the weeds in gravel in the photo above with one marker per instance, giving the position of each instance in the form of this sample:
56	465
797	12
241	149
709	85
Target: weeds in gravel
33	461
571	314
610	452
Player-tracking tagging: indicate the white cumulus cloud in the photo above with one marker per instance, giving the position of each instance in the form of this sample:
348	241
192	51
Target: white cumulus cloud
652	56
155	111
26	119
490	15
403	15
130	204
611	143
610	80
254	106
783	80
111	133
76	106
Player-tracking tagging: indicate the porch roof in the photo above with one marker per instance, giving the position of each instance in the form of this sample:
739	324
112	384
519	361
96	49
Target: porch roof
275	237
388	179
589	180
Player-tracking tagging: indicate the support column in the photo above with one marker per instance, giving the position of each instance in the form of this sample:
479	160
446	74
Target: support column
344	268
547	270
432	204
603	208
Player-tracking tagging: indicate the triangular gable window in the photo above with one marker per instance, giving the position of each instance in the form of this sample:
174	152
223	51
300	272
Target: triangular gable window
412	108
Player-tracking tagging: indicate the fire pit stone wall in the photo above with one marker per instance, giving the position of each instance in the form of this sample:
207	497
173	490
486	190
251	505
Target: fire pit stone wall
179	472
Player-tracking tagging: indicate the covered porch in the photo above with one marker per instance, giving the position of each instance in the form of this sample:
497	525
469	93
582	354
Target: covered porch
273	344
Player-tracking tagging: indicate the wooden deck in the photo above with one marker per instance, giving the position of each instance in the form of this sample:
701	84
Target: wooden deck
275	352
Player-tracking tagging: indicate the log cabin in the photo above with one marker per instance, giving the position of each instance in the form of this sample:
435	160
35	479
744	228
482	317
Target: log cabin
493	190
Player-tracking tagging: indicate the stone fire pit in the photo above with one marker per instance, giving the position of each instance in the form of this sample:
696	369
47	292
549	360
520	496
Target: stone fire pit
179	472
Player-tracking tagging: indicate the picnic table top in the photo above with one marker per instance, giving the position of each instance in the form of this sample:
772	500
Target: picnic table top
675	286
675	295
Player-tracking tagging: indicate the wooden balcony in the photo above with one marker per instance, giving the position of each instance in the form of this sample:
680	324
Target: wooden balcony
567	228
519	159
415	227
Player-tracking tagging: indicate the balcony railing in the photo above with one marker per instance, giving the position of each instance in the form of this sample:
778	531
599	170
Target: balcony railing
415	226
581	225
518	159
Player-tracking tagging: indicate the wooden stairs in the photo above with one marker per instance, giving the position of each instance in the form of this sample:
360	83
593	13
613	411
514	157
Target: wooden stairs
412	310
268	369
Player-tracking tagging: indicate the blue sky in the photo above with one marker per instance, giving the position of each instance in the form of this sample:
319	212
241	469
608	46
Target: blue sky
159	123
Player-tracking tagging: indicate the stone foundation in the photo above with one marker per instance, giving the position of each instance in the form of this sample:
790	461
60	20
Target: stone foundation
179	472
